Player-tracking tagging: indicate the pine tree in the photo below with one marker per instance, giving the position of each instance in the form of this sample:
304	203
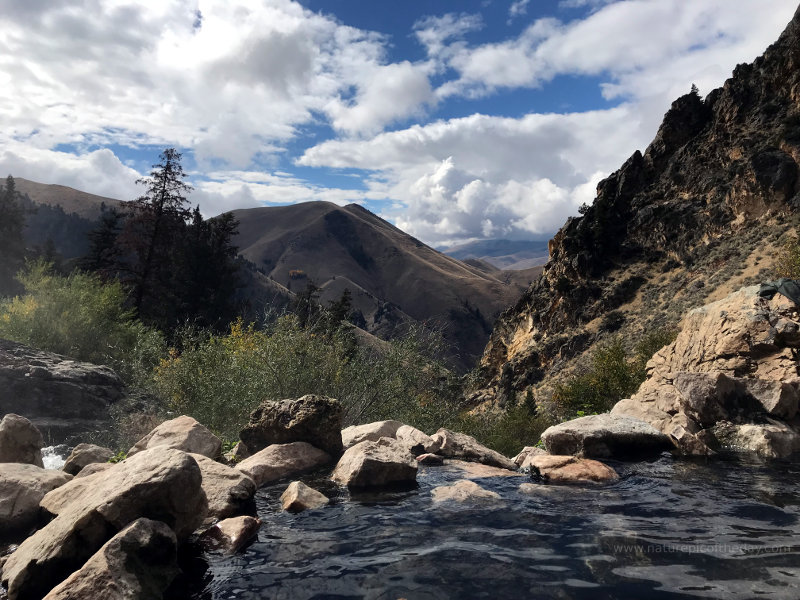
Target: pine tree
12	245
103	255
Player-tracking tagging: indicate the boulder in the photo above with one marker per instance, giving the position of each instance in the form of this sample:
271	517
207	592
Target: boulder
139	562
778	398
282	460
471	470
416	441
460	445
20	441
430	460
605	436
369	432
704	397
375	464
231	535
94	468
463	491
86	454
182	433
22	487
569	469
63	398
238	453
316	420
160	483
527	451
299	497
774	439
227	489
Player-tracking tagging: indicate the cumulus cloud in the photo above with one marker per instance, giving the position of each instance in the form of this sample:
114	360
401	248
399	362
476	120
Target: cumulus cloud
517	9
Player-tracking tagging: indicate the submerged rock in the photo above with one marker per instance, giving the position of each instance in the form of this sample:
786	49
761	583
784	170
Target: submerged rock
282	460
22	488
86	454
182	433
90	510
375	464
20	441
139	562
463	491
231	535
569	469
605	436
299	497
316	420
460	445
472	470
369	432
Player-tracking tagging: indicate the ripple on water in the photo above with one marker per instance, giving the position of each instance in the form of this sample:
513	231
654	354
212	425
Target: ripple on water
668	529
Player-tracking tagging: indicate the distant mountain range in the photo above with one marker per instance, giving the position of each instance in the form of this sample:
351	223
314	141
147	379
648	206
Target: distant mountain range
394	279
503	254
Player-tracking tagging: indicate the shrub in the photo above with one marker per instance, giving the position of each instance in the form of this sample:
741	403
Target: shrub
788	263
508	433
219	380
81	317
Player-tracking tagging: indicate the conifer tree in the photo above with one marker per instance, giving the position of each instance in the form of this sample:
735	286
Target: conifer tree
12	245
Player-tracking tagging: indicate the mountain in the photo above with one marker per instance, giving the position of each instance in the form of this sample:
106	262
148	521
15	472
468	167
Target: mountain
72	201
700	213
393	277
503	254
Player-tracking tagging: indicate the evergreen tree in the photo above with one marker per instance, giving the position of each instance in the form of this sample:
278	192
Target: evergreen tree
12	245
103	255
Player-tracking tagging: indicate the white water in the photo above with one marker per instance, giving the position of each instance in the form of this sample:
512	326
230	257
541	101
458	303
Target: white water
52	458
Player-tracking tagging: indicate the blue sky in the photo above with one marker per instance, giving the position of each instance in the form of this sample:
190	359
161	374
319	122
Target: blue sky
454	120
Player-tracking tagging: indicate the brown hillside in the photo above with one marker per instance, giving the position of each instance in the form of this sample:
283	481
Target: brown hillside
699	214
71	200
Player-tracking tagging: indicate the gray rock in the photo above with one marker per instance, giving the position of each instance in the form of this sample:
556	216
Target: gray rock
463	491
316	420
230	535
90	510
182	433
605	436
768	440
282	460
460	445
86	454
20	441
63	398
369	432
227	489
299	497
22	488
704	396
375	464
138	563
417	441
778	398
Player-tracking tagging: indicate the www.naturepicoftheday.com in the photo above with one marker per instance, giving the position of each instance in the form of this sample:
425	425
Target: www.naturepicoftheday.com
308	299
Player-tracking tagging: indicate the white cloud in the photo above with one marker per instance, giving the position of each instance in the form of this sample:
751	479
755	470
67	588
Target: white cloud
518	8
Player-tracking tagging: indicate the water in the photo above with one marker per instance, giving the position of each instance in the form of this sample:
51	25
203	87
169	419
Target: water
54	457
668	529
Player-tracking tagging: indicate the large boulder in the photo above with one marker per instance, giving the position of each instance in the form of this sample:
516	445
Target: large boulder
20	441
316	420
605	436
22	487
63	398
460	445
417	442
298	497
463	491
86	454
732	362
228	490
181	433
569	469
375	464
162	484
138	563
369	432
282	460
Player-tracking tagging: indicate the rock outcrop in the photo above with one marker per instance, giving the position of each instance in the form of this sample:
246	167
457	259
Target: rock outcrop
22	488
605	436
729	380
20	441
139	562
299	497
161	483
316	420
282	460
461	445
63	398
86	454
690	217
375	464
181	433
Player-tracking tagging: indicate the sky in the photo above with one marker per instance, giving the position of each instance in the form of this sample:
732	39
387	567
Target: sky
456	121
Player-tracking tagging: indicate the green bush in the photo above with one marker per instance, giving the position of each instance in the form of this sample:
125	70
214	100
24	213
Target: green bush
788	263
612	376
81	317
219	380
508	433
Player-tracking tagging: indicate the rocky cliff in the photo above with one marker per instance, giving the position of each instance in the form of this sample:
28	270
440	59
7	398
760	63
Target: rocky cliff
698	214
